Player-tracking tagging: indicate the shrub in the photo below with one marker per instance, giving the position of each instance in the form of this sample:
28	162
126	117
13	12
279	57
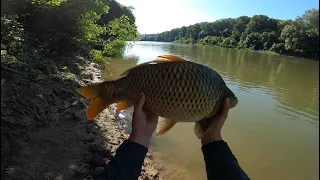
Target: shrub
278	48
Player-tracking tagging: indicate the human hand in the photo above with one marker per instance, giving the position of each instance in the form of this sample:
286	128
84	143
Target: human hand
214	131
143	124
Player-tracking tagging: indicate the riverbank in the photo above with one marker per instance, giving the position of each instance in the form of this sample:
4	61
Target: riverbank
278	54
44	130
251	50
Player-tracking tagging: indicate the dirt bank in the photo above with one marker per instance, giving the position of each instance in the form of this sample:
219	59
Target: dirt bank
44	130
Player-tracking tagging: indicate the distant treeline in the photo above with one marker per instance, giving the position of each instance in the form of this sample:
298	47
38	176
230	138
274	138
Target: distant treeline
299	37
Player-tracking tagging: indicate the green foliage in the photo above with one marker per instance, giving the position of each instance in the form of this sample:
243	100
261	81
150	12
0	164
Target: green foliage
47	4
11	40
121	29
229	42
185	40
310	19
117	10
253	41
291	36
278	48
211	40
11	34
261	23
298	37
302	36
114	48
64	22
33	30
98	57
268	39
241	24
89	30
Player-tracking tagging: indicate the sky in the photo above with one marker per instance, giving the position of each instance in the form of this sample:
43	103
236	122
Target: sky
155	16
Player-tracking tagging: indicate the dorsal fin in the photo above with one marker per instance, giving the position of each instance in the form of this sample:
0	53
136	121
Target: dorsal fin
160	59
170	58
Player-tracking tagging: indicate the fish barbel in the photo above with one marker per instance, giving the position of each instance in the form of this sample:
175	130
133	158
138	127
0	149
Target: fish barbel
175	89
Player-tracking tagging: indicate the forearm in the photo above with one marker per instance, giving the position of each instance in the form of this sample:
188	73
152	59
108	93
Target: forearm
140	139
220	162
127	162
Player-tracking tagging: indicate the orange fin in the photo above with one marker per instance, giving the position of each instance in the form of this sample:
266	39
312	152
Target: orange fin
164	125
160	59
91	91
123	105
97	105
170	58
200	128
198	131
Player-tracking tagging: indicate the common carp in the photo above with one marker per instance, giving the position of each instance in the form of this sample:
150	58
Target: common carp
175	89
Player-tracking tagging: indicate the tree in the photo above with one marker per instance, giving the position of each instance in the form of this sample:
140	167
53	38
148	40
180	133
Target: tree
240	26
262	23
253	41
229	42
241	23
54	27
300	36
193	32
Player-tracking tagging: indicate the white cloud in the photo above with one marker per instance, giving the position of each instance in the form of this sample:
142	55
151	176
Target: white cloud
154	16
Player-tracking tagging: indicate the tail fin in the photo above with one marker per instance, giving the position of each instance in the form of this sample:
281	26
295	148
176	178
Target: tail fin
97	104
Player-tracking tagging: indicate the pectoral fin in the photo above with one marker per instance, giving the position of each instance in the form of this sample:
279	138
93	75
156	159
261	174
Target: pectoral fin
164	125
123	105
201	127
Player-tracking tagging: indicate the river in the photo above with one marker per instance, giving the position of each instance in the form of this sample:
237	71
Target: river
273	131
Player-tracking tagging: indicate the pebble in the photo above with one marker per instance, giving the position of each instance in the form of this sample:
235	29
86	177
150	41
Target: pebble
149	156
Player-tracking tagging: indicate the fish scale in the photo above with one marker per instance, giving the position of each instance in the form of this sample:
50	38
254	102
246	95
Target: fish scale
178	90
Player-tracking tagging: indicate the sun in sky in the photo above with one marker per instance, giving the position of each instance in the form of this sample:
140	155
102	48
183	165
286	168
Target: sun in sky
155	16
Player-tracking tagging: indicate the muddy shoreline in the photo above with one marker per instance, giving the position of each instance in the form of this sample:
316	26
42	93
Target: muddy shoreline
45	133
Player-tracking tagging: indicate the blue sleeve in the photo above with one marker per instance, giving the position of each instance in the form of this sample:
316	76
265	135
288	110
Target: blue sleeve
221	163
127	163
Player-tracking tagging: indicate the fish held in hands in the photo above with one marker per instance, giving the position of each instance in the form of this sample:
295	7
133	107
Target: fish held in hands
175	89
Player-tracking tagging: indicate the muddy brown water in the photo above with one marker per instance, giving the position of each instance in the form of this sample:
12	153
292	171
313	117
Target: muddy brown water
274	130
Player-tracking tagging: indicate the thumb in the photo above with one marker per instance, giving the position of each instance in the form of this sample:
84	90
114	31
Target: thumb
141	101
225	108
